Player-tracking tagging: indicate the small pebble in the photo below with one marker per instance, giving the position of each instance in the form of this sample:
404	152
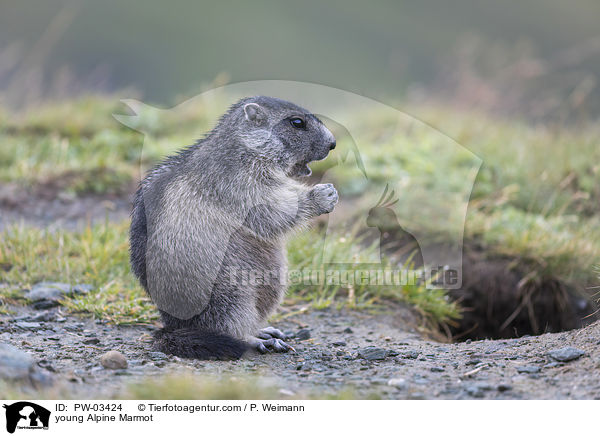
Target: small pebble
113	360
373	353
410	354
566	354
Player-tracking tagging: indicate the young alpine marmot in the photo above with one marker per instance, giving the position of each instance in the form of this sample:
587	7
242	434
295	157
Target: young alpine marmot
209	227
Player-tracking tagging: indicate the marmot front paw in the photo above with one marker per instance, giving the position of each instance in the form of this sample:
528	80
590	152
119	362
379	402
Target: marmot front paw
325	197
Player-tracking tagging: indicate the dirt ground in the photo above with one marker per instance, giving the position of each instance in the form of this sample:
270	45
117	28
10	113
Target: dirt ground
379	355
371	355
52	209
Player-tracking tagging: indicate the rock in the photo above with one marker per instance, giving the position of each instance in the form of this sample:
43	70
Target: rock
566	354
91	341
28	325
15	364
373	353
48	291
303	334
398	383
339	344
348	330
412	354
529	369
113	360
436	369
45	295
45	304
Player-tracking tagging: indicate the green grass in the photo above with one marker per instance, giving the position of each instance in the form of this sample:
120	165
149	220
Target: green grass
179	386
535	200
98	255
306	252
188	387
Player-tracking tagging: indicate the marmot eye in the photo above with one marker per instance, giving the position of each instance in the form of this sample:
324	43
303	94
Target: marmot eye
298	123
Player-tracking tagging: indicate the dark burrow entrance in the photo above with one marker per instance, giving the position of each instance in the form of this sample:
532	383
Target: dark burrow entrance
502	298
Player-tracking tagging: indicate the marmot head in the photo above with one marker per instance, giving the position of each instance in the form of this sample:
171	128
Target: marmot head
282	132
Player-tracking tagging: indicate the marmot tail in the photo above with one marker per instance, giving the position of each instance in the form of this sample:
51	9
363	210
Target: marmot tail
199	344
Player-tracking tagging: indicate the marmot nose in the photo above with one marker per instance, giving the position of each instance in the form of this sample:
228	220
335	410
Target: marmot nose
332	145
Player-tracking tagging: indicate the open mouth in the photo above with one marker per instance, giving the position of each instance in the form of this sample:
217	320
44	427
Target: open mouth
301	169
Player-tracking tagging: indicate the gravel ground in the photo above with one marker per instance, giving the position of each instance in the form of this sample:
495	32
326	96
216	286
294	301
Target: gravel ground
371	355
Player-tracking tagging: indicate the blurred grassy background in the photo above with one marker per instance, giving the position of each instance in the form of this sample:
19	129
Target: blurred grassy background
528	56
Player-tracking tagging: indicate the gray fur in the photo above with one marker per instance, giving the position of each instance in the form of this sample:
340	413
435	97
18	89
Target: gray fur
223	206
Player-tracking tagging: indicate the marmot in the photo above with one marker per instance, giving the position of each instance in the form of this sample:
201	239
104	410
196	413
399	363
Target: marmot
209	227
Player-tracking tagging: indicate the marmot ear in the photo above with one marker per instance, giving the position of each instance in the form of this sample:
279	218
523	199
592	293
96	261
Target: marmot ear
255	113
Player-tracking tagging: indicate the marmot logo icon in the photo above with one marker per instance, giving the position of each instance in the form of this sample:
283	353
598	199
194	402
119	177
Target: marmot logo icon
26	415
